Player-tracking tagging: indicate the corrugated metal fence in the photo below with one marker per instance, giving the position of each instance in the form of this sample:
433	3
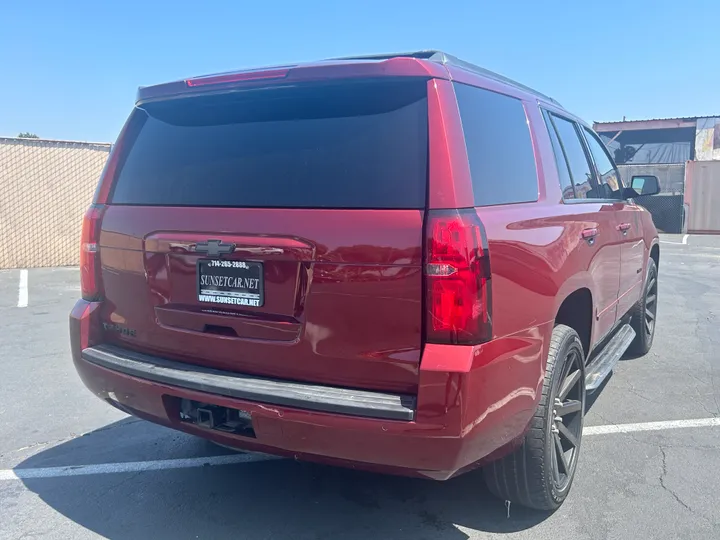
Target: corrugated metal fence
703	196
45	188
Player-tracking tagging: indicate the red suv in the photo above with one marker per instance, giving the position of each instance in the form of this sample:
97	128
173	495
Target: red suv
402	263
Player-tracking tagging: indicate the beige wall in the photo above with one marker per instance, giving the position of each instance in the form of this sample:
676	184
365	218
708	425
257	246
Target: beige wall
45	188
702	196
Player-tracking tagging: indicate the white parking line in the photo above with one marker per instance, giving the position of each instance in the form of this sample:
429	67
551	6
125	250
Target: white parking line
23	289
130	466
682	243
651	426
190	463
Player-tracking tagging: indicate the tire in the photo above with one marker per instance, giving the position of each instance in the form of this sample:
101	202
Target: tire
642	315
532	475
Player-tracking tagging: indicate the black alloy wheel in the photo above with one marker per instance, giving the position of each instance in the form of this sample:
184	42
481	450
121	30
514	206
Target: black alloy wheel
651	291
567	424
643	315
540	472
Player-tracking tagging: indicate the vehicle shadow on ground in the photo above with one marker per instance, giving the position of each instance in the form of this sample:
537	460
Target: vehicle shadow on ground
268	499
629	356
592	397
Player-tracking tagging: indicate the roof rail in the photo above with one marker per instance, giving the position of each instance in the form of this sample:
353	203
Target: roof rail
450	60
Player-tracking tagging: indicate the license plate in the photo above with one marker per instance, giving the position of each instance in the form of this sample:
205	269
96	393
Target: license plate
236	283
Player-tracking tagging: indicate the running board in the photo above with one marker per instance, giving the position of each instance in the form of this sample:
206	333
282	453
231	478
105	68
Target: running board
604	363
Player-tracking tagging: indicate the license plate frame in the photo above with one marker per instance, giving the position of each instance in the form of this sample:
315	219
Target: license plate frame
214	291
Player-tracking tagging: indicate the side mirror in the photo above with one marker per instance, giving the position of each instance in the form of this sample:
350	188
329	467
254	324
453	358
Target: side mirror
642	185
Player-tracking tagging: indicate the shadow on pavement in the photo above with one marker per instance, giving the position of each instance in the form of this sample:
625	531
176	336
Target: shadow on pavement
592	397
269	499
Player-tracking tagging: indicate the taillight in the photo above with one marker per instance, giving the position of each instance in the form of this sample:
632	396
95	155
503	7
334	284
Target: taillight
90	280
457	278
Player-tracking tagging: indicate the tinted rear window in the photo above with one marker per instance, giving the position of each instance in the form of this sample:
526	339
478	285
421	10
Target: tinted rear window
352	145
500	152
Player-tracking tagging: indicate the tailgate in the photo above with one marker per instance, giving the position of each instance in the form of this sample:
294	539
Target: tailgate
276	234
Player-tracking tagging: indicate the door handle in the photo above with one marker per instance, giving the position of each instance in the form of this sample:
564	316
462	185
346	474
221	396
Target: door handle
623	228
589	235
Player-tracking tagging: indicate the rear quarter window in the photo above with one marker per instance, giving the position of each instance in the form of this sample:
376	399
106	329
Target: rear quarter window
344	145
499	147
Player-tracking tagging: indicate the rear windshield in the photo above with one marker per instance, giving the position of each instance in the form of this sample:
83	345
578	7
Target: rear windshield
352	145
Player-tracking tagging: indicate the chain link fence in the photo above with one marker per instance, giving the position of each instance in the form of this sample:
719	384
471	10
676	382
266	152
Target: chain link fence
45	188
667	207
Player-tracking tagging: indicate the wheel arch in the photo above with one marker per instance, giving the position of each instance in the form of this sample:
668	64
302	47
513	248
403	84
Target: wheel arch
576	311
655	253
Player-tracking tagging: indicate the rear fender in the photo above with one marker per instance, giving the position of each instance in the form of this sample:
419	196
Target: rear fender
580	280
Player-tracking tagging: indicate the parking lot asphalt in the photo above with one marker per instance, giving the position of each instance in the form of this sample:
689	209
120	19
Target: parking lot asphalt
73	467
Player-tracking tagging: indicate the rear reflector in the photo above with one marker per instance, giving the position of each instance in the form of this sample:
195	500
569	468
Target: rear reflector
90	281
457	278
238	77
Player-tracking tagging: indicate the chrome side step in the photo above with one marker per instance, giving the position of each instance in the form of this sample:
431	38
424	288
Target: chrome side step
601	367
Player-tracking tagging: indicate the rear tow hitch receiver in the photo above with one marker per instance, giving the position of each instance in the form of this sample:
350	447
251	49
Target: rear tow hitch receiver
217	418
206	417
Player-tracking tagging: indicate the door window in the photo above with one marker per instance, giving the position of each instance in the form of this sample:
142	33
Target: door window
563	167
610	183
581	172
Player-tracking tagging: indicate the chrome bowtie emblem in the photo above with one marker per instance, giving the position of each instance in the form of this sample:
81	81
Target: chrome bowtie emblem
214	248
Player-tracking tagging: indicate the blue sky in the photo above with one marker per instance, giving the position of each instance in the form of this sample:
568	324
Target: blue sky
70	70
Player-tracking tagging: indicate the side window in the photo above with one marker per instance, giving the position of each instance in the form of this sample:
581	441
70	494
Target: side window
500	152
562	165
580	169
610	184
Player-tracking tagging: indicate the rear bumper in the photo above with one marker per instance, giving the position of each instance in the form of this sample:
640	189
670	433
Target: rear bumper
236	385
473	404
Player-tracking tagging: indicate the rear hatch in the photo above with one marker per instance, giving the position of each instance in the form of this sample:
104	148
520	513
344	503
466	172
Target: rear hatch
273	231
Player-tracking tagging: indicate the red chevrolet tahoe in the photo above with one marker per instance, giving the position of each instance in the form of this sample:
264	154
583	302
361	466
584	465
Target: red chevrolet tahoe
403	263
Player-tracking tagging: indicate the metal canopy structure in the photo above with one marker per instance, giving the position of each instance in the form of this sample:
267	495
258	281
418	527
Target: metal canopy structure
652	123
